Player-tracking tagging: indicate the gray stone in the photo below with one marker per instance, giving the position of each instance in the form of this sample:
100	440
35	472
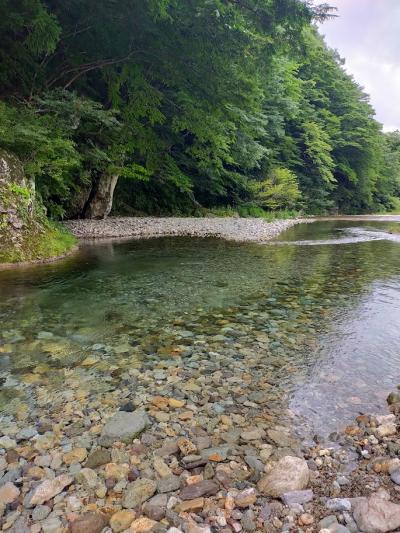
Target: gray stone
338	528
124	427
26	433
197	490
248	522
10	476
343	480
21	525
395	477
254	463
40	512
338	504
219	453
87	478
327	522
297	496
168	484
138	492
52	525
156	507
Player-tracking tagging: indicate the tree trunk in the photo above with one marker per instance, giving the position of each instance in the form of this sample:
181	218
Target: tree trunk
100	202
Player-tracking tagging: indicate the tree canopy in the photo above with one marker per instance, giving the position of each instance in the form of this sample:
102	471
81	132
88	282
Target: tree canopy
198	103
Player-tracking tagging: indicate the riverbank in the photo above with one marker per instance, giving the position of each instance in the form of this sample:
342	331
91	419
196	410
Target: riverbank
167	451
229	228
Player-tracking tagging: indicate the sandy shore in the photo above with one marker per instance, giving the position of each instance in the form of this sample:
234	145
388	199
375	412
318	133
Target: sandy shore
233	229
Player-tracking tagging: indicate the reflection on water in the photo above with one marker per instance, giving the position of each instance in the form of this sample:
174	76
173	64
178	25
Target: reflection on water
326	317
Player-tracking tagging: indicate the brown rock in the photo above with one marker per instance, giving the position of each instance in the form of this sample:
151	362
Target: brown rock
204	488
306	519
160	402
116	471
175	404
8	493
121	520
186	446
91	522
75	456
98	457
142	525
246	497
190	506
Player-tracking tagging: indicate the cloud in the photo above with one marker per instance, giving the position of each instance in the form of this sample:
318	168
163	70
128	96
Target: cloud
367	34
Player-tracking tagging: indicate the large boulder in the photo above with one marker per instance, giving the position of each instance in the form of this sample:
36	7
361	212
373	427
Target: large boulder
289	474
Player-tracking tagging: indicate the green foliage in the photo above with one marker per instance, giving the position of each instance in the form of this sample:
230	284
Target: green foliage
279	191
189	103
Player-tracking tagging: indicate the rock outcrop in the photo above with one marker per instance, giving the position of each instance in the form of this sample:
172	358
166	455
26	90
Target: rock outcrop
25	232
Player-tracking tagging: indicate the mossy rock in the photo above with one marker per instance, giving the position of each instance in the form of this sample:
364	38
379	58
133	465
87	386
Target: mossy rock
25	232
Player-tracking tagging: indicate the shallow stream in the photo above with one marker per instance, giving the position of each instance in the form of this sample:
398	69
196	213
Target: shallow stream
321	305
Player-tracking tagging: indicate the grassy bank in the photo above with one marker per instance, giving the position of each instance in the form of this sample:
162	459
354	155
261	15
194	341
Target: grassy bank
39	242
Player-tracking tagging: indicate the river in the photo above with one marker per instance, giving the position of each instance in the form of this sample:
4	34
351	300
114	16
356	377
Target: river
315	312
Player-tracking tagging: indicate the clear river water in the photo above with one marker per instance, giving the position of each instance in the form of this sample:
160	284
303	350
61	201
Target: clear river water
322	303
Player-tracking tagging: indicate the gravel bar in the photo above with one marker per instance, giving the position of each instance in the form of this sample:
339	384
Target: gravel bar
233	229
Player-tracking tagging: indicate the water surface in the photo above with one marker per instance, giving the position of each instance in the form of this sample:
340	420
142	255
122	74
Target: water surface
322	303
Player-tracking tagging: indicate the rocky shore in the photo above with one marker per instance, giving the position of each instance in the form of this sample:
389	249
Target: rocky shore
190	447
233	229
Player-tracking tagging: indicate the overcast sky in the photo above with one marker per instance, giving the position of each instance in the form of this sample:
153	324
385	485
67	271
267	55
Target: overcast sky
367	35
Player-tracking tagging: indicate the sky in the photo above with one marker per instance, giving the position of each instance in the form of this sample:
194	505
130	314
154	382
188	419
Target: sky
367	34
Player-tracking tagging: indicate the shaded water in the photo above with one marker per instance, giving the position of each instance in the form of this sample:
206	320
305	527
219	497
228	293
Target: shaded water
327	316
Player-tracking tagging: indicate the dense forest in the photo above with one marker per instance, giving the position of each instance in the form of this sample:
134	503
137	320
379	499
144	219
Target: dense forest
174	107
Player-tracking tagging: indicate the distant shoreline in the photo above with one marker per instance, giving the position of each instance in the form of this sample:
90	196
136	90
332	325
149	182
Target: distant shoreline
231	229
